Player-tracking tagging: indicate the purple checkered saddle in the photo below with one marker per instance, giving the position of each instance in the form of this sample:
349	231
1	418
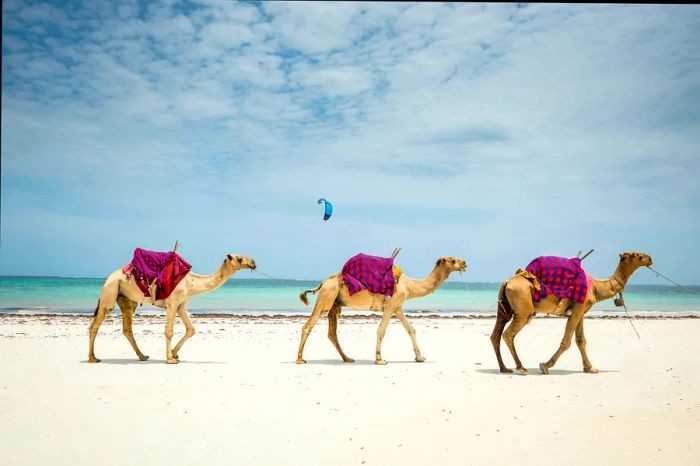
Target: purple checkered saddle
564	278
372	273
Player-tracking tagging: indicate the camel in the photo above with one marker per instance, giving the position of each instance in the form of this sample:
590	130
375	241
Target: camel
515	301
123	290
334	294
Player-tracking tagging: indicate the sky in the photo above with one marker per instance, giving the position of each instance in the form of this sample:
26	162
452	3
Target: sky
493	132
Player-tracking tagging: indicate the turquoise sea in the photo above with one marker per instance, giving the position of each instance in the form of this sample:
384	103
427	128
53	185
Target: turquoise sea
60	295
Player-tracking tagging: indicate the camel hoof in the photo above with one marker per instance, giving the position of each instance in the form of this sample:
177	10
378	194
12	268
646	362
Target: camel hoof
94	360
544	369
143	357
522	370
420	359
348	360
505	370
301	361
590	370
380	362
173	361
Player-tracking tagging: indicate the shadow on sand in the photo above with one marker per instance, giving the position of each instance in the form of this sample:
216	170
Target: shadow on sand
536	371
358	362
136	362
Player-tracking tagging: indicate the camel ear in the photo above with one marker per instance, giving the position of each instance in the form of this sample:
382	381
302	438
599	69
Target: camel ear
229	257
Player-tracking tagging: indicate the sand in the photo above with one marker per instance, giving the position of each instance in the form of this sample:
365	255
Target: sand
238	398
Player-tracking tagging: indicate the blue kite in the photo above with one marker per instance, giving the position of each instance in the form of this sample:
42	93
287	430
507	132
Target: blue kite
328	209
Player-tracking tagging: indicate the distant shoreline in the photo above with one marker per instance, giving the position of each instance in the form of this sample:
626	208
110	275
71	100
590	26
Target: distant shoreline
318	280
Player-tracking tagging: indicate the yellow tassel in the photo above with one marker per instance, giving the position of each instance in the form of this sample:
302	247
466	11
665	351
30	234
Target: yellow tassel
529	276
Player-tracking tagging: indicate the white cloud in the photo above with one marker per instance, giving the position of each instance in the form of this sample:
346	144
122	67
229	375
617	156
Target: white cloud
333	81
315	27
226	35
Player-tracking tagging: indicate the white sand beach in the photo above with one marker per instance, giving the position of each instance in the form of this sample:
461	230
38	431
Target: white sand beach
238	398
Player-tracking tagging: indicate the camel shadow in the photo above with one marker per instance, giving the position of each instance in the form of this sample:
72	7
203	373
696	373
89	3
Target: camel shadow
136	362
536	371
358	362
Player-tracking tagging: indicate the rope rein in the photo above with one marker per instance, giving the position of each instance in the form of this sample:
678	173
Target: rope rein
264	274
675	283
621	302
466	285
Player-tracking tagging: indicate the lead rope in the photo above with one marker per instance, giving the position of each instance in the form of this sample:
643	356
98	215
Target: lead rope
677	284
621	302
266	275
466	285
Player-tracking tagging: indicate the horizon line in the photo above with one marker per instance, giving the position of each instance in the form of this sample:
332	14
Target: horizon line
319	280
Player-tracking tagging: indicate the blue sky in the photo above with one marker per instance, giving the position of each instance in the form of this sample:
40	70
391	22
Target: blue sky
495	132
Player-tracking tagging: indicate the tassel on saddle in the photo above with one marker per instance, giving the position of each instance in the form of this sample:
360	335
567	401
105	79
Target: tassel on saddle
529	276
152	290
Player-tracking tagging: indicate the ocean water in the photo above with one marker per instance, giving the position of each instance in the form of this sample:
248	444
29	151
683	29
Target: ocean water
59	295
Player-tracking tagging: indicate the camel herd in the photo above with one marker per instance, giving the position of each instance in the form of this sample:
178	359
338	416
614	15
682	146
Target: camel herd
515	305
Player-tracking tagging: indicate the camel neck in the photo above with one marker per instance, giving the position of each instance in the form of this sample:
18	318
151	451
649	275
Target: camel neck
608	287
212	281
418	287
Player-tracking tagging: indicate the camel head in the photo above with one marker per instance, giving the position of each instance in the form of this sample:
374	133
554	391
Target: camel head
241	262
452	264
635	259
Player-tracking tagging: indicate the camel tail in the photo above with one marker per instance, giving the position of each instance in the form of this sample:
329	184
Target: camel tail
302	296
504	309
96	308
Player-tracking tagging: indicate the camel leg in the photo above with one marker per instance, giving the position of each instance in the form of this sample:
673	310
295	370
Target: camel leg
105	305
324	302
94	327
128	306
386	317
571	324
189	329
581	343
169	325
411	332
501	322
333	329
518	323
305	331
